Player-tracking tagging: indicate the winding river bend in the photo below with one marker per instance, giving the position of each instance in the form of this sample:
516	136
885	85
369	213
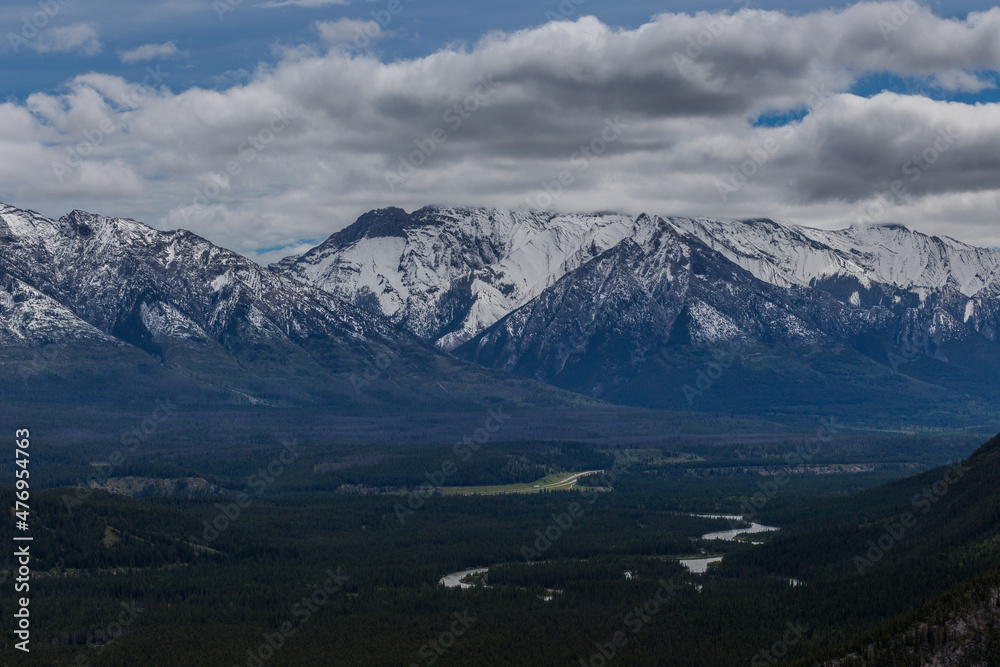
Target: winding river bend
700	565
731	535
454	580
694	565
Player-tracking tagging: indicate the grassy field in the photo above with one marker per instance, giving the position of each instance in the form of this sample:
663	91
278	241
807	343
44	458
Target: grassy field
558	481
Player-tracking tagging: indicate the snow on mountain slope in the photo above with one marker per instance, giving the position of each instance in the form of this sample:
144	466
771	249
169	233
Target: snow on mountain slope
30	317
448	273
170	310
144	286
646	322
777	254
888	254
600	324
584	301
907	259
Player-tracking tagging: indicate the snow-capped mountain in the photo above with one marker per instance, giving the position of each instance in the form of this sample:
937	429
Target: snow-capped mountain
592	303
148	287
625	309
188	312
893	304
956	286
447	274
889	254
31	318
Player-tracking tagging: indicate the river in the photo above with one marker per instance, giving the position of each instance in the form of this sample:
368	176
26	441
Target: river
454	580
700	565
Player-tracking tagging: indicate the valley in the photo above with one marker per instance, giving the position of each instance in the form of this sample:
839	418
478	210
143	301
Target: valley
213	439
582	333
653	517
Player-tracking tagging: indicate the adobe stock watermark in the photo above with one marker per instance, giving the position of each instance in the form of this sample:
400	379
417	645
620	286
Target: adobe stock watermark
775	653
454	118
562	522
106	127
580	161
749	507
32	25
367	34
770	147
896	531
634	621
248	151
300	613
918	344
100	640
223	7
40	360
919	164
566	347
130	442
434	649
567	8
708	375
258	482
900	15
714	27
463	451
376	367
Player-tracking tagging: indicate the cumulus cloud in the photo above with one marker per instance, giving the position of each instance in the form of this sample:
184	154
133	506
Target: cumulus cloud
79	38
149	52
572	115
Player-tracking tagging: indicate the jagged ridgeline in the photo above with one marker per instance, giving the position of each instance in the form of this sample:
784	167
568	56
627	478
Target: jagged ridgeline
98	309
743	316
736	315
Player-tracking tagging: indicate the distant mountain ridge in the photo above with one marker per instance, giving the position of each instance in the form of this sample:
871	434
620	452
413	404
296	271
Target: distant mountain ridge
498	259
635	311
172	309
627	309
446	274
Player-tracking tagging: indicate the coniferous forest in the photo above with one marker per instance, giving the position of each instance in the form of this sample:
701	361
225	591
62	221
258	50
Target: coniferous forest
331	550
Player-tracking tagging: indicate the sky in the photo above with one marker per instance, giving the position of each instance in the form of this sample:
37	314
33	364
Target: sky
267	125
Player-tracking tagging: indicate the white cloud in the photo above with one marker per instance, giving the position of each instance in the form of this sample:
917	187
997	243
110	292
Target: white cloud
149	52
965	82
349	32
79	38
356	119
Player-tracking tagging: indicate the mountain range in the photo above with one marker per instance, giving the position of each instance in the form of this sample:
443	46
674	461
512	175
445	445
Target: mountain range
739	316
112	310
735	315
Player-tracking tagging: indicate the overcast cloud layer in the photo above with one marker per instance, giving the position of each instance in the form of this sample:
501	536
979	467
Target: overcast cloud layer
573	115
